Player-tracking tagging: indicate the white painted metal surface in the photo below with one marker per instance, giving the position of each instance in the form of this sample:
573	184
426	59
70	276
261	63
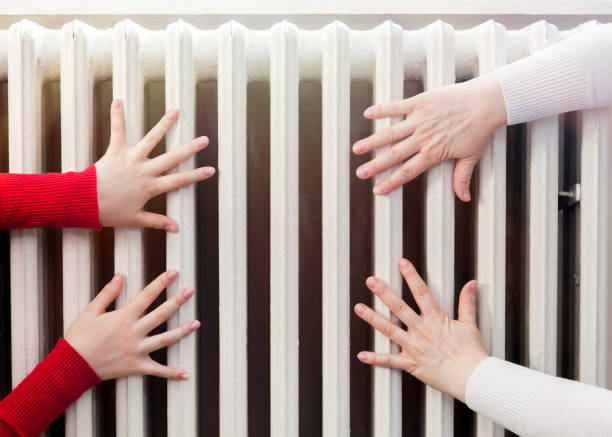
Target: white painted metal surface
232	231
491	222
543	157
181	207
595	163
388	86
32	60
128	85
183	56
440	221
85	57
594	136
336	229
284	232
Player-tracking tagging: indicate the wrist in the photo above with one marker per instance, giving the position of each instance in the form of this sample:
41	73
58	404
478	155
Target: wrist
467	368
491	103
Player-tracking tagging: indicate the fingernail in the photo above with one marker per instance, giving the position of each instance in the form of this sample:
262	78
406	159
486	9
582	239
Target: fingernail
172	114
368	112
371	281
202	142
362	356
187	293
362	172
184	375
116	279
378	189
116	103
360	309
466	195
171	275
170	227
357	147
404	263
208	171
194	325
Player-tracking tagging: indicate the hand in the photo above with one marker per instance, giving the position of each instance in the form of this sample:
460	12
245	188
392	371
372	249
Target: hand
436	349
455	121
116	344
127	179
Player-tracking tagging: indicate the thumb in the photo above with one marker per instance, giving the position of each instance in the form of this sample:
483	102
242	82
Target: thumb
117	125
156	221
462	177
108	294
467	303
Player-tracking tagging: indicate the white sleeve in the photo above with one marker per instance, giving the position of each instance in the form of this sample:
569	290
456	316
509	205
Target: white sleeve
573	74
531	403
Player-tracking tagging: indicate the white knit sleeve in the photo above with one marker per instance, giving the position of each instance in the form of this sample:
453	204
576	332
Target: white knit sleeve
532	404
573	74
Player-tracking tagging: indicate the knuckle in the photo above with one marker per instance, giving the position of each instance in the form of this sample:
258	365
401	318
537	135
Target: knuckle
396	155
421	290
398	307
390	135
406	170
389	328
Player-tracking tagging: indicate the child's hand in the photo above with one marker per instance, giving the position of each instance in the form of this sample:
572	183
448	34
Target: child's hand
116	344
438	350
127	179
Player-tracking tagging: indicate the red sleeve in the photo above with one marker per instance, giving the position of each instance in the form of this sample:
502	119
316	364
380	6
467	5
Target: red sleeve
53	200
57	381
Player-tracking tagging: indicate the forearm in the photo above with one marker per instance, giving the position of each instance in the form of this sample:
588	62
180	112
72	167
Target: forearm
530	403
56	200
571	75
58	381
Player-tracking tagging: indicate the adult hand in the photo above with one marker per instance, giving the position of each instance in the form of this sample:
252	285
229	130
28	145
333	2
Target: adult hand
436	349
127	178
116	344
454	121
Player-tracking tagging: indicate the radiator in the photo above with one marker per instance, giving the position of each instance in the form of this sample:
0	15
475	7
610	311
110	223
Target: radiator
536	234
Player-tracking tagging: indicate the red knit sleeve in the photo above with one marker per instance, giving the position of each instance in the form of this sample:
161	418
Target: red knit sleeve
53	200
57	381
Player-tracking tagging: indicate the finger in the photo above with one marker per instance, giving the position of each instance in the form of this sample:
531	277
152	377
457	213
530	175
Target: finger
462	177
147	219
117	137
393	155
422	295
389	109
108	294
407	172
174	157
395	303
384	360
158	131
145	298
384	137
160	341
466	309
170	182
153	368
381	324
163	312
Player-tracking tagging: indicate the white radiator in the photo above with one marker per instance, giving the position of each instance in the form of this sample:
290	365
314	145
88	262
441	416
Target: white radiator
387	57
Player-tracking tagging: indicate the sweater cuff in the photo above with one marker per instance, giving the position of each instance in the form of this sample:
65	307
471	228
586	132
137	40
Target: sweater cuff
59	380
55	200
502	391
546	83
